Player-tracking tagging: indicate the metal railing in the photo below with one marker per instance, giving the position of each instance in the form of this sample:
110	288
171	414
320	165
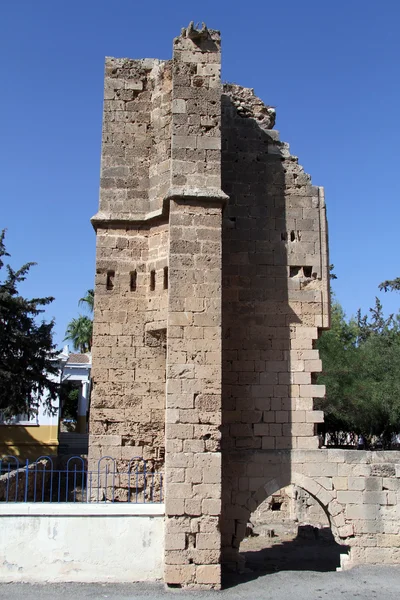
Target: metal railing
137	481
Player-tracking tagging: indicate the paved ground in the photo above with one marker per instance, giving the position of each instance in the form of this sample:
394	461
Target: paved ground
361	583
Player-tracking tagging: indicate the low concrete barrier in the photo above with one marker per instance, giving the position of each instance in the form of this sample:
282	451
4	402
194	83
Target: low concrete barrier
110	542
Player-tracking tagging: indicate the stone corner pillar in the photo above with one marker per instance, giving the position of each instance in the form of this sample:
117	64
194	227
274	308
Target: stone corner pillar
193	397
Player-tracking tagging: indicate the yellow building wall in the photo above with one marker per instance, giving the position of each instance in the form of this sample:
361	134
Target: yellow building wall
28	441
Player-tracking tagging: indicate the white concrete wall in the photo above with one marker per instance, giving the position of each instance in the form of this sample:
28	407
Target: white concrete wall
81	542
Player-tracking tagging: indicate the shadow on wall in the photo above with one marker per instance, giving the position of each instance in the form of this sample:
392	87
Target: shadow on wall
257	320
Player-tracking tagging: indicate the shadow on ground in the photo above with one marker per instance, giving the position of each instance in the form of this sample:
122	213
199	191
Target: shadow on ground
311	550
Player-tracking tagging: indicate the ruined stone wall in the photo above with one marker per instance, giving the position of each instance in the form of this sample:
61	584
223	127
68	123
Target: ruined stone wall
358	491
275	299
136	138
206	315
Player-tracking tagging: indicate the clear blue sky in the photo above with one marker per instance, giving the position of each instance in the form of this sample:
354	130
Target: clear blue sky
330	68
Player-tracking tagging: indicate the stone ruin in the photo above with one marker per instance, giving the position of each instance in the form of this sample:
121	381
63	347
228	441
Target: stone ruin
211	290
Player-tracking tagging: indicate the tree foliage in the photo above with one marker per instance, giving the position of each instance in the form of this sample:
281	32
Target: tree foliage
361	371
390	285
27	354
79	332
88	301
69	397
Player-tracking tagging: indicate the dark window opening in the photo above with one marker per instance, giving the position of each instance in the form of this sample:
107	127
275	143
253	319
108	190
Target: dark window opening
133	281
165	278
152	281
110	280
276	505
307	271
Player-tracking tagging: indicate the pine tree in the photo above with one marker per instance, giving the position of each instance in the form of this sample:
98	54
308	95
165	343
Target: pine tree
27	354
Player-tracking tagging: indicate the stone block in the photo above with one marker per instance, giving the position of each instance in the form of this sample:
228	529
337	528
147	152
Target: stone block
310	443
388	540
388	483
212	475
178	106
324	496
210	574
315	416
367	526
179	574
211	507
335	508
312	391
193	507
377	556
322	469
175	541
262	429
208	143
208	541
363	511
340	483
356	483
345	531
174	507
375	498
184	141
374	484
346	497
326	482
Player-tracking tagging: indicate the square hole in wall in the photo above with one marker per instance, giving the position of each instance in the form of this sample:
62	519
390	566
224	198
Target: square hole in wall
110	280
296	272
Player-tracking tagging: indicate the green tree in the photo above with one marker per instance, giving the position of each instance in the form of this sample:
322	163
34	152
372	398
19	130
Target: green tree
79	332
377	377
338	352
27	355
361	363
390	285
69	397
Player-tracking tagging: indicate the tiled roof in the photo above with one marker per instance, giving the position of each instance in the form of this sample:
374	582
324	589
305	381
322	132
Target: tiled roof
82	359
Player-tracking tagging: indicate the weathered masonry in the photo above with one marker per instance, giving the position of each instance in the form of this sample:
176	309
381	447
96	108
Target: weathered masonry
211	288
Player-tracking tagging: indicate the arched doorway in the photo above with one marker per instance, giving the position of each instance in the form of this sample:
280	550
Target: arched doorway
292	526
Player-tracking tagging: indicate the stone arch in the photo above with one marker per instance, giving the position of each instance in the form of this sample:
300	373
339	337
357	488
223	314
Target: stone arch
325	498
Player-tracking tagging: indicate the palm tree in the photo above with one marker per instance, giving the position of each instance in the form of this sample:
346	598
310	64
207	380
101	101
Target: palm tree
88	301
79	332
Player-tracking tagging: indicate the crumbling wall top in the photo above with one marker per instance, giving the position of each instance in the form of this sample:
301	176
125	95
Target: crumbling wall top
249	105
194	33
